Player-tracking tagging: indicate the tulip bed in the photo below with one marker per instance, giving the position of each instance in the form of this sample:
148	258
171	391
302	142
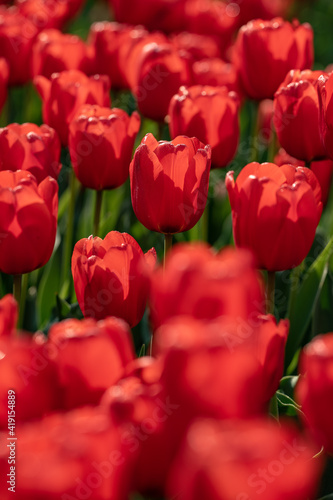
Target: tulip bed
166	250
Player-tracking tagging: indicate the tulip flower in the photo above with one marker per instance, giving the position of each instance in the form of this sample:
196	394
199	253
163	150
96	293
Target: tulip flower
200	284
169	183
47	14
325	91
98	132
275	213
216	73
75	454
28	221
17	35
323	170
314	390
161	70
110	277
26	368
211	115
89	357
296	115
4	76
243	460
30	148
54	52
265	51
64	94
8	316
198	46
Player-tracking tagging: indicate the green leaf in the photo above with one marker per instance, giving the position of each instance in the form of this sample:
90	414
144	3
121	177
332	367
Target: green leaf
48	288
142	351
304	302
288	403
328	497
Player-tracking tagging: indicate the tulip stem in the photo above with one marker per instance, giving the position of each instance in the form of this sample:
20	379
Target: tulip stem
70	229
98	206
274	408
270	292
167	246
17	290
272	147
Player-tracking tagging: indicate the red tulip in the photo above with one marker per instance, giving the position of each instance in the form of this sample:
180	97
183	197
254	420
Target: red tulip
169	183
266	50
164	15
296	115
110	276
200	284
161	70
46	14
28	221
211	115
26	369
54	52
245	460
30	148
4	76
89	356
204	374
198	46
78	454
323	170
325	91
8	316
265	121
106	133
216	73
314	390
275	212
17	35
64	94
263	9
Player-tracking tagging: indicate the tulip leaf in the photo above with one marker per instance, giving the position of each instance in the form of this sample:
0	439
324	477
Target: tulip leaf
327	497
304	301
48	288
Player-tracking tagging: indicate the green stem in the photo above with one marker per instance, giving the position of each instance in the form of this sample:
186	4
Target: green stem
24	289
160	131
98	206
254	134
273	408
270	292
167	246
70	229
17	289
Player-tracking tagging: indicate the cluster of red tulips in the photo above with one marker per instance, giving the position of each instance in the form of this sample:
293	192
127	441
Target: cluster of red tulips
224	400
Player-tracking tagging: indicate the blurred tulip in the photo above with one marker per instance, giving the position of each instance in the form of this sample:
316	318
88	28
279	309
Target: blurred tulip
46	14
106	133
161	70
198	46
17	35
89	356
4	76
216	73
28	221
265	121
211	115
201	284
54	52
323	170
30	148
263	9
266	50
78	454
26	368
275	212
296	115
206	375
169	183
111	276
8	316
245	460
325	91
64	94
314	390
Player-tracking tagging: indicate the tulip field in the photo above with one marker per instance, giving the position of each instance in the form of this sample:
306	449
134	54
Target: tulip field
166	250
